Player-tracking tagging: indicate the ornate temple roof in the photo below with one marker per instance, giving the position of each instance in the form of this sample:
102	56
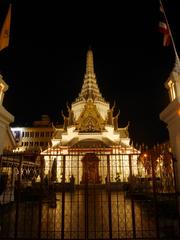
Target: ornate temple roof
90	89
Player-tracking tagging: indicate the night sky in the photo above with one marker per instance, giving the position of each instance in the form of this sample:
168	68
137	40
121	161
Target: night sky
44	64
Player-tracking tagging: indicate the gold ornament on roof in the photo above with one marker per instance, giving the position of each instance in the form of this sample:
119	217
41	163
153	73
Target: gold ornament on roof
90	120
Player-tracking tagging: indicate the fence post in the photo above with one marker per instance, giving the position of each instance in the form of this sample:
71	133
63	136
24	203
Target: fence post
63	197
154	194
17	194
109	197
42	191
132	198
176	194
86	198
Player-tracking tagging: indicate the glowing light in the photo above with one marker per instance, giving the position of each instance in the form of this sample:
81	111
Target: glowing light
178	112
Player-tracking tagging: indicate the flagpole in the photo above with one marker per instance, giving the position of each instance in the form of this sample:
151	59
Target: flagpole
170	33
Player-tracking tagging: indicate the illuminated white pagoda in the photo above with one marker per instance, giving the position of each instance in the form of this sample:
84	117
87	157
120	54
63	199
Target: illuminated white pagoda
90	133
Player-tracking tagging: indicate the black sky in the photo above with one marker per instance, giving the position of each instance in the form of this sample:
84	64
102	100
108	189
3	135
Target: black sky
45	61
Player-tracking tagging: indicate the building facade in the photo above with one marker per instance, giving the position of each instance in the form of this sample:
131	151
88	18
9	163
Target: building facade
35	138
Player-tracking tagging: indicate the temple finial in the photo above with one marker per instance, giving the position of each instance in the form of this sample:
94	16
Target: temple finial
90	89
89	62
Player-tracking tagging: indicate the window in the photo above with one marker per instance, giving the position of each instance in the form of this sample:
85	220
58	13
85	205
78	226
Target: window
31	134
172	90
47	134
1	92
42	134
26	134
36	134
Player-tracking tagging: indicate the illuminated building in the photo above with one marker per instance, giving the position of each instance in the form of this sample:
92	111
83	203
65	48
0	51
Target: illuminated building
35	138
91	128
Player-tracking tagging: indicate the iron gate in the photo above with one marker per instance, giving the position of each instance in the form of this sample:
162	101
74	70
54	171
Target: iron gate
88	195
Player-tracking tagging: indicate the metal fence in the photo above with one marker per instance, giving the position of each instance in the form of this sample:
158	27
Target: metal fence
89	194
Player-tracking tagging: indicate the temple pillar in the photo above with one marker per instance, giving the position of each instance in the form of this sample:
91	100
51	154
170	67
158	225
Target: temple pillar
6	137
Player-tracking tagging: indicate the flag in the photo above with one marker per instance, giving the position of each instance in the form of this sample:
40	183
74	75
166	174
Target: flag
164	29
5	31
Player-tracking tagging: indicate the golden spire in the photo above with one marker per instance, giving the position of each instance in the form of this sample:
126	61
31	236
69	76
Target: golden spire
90	89
89	62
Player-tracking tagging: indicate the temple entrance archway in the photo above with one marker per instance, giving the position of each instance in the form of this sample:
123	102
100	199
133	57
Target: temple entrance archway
90	164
